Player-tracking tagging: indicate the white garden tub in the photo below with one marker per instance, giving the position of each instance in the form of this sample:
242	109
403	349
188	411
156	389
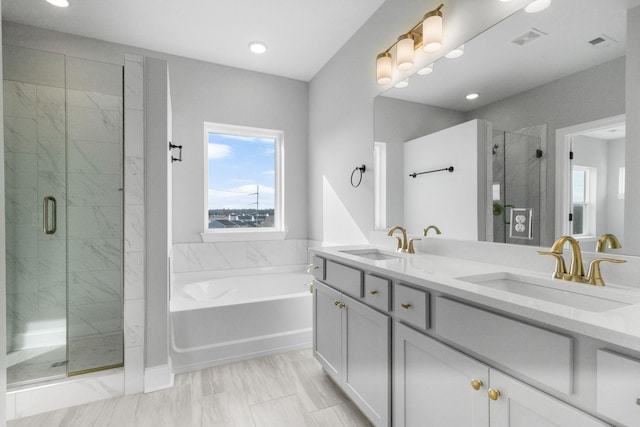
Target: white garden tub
220	319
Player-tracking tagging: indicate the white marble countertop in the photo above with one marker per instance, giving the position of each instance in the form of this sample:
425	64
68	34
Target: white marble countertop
619	326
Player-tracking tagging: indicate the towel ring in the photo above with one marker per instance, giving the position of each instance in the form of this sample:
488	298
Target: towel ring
361	169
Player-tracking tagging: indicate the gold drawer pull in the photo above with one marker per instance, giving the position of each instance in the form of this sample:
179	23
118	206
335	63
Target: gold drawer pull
405	306
373	292
336	303
493	394
476	384
341	305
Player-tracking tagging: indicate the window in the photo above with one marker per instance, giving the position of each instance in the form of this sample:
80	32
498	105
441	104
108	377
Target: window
243	176
583	196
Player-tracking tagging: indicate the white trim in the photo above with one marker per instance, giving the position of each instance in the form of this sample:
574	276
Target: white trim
563	176
278	137
158	378
380	184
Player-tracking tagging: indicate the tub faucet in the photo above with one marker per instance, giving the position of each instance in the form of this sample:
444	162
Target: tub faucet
576	271
613	241
403	244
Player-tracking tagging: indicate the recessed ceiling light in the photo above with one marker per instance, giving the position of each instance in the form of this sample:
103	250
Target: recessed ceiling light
402	84
59	3
455	53
537	6
257	47
472	96
426	70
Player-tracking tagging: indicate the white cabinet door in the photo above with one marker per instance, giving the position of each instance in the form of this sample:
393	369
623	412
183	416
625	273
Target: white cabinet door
368	360
327	329
520	405
432	384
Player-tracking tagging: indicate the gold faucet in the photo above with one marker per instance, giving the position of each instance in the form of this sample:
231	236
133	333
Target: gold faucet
613	241
576	270
403	244
431	227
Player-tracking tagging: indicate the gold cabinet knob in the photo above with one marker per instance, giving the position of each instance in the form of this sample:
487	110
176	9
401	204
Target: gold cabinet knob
405	306
493	394
341	305
373	292
336	303
476	384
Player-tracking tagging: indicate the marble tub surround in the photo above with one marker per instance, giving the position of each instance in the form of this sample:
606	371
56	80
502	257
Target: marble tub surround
192	257
618	326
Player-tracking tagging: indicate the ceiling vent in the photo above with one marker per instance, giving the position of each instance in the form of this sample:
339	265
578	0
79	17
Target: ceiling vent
528	37
602	41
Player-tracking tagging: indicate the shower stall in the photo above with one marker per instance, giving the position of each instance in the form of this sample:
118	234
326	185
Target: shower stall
516	160
63	147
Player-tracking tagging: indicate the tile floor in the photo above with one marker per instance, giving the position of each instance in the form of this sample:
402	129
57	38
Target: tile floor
285	390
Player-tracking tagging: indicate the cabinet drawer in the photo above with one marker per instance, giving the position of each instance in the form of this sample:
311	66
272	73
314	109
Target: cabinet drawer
318	273
618	387
343	278
539	354
411	305
376	292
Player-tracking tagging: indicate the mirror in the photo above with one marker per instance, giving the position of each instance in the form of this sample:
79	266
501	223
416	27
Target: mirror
537	75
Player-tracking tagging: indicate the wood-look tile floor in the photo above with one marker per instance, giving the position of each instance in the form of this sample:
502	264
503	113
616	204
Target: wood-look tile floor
284	390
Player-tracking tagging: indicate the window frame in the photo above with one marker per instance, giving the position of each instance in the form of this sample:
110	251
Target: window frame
278	230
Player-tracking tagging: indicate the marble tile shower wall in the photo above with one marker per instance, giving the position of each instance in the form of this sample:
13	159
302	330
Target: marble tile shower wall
34	120
94	171
192	257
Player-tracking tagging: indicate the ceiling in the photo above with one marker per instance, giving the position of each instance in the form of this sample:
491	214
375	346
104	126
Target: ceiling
301	35
495	67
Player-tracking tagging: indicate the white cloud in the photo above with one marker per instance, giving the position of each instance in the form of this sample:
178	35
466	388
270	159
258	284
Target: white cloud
269	172
242	197
219	151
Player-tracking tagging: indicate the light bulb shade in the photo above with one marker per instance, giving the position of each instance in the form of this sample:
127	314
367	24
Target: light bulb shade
455	53
402	84
405	52
426	70
384	68
432	31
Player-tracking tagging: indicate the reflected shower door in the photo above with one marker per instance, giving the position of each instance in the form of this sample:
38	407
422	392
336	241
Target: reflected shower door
95	215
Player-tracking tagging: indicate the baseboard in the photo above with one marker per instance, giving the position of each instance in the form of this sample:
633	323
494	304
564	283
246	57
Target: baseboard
158	378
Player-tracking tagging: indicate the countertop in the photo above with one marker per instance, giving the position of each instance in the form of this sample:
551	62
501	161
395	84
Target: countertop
618	326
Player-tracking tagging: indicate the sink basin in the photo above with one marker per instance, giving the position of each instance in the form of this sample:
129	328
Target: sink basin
374	254
571	294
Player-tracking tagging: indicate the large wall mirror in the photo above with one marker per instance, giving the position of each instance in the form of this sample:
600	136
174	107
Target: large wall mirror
547	82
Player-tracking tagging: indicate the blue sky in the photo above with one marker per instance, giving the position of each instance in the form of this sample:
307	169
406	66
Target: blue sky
236	166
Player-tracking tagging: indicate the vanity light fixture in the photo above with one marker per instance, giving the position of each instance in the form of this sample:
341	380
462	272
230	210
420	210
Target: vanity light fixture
472	96
426	70
537	6
426	34
402	84
455	53
59	3
256	47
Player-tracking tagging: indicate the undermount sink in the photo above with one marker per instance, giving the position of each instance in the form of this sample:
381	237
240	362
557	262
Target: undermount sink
578	295
374	254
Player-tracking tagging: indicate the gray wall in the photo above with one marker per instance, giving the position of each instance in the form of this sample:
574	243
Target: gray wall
632	148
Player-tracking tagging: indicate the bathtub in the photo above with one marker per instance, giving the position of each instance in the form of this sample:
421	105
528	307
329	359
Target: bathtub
224	317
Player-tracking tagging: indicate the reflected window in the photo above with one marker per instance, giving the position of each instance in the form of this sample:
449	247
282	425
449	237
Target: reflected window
583	189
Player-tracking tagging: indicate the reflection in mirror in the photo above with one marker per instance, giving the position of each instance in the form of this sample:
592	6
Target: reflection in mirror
535	74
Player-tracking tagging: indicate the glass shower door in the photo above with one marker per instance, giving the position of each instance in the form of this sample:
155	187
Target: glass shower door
35	197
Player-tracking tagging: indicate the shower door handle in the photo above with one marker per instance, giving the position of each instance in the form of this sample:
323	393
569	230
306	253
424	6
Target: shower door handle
49	227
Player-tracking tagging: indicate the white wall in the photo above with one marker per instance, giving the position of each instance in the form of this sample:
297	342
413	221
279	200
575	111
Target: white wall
449	200
341	109
632	149
615	205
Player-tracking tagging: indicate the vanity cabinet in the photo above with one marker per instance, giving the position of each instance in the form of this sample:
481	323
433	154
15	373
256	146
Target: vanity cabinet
352	341
435	385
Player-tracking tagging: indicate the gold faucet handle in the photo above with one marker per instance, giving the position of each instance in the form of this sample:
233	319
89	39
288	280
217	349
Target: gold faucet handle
561	268
411	248
399	244
594	275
